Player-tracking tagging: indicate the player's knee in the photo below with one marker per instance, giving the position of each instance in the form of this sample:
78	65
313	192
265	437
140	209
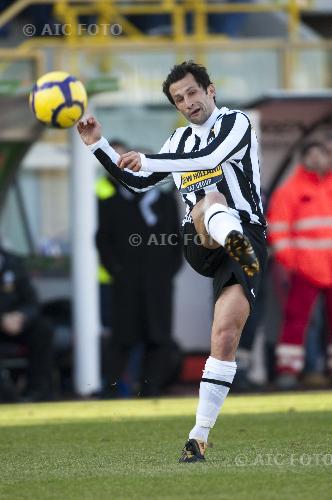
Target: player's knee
199	210
214	197
227	330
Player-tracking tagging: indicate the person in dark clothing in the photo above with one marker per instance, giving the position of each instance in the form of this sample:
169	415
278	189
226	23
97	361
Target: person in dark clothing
135	234
105	190
21	323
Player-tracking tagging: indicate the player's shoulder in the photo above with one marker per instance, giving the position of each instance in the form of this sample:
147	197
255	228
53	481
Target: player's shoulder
226	113
178	133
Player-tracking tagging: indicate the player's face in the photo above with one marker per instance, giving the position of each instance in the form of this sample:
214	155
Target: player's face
195	103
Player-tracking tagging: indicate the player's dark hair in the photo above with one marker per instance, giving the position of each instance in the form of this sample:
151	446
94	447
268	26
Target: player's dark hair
179	71
307	147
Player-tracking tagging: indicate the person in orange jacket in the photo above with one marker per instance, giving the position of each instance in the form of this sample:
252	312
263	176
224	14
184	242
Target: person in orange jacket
300	235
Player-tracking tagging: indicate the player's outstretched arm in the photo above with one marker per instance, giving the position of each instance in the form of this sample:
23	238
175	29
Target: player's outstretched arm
89	129
232	140
133	160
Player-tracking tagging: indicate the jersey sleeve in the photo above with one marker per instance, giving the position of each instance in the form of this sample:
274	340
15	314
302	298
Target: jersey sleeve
231	142
133	181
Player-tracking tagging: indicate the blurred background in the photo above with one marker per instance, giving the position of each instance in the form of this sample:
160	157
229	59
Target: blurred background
272	58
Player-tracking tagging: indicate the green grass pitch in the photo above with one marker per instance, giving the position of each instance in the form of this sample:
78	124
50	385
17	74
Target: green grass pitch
264	447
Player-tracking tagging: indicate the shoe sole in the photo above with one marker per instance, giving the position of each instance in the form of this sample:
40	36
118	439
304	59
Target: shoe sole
240	249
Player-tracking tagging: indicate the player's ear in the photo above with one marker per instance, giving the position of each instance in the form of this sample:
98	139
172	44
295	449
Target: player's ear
211	90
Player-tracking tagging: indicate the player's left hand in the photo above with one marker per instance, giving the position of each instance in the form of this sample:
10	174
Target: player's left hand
131	160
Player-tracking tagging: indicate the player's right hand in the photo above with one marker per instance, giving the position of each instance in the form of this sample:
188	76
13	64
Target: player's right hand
89	129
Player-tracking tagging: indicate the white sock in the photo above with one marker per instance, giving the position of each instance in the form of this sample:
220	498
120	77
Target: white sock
212	396
219	222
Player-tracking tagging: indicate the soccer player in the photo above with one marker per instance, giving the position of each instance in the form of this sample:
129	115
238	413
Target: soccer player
214	164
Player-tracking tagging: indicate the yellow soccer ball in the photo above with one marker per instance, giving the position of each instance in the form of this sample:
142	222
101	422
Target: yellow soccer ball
58	99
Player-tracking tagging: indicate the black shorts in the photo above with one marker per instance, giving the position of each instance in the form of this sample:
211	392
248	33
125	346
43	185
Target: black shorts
224	270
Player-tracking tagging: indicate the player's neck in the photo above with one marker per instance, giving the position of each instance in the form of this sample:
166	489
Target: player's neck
209	122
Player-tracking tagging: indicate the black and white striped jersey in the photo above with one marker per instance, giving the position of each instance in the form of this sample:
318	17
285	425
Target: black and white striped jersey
219	156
